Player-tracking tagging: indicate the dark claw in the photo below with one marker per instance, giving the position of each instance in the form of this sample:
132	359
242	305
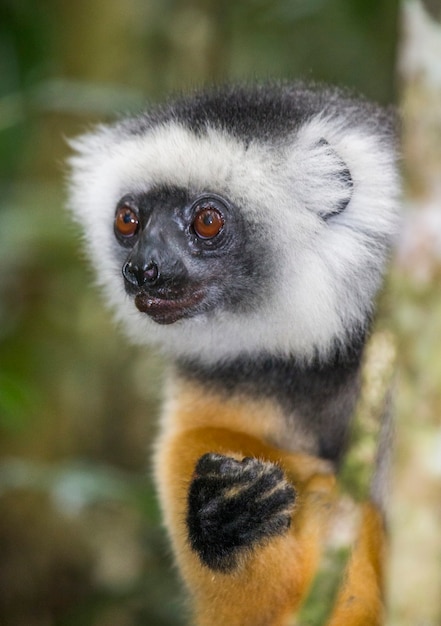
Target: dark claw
234	505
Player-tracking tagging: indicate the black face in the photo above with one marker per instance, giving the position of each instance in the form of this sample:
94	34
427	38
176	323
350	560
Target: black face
184	255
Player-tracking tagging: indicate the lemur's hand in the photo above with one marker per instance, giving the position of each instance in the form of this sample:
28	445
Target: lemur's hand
233	505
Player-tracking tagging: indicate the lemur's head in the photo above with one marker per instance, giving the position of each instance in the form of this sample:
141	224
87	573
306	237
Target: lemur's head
241	221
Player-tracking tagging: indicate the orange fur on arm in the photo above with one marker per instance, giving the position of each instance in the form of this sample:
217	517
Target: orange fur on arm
271	578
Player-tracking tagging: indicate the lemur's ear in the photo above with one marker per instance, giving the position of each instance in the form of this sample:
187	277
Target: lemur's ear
336	174
322	181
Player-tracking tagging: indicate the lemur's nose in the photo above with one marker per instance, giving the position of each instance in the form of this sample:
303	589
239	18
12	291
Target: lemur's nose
140	275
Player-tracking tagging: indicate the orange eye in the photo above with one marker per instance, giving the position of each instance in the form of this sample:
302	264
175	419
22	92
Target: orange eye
126	221
208	222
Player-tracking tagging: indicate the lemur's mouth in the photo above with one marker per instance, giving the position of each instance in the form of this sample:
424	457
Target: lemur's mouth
168	310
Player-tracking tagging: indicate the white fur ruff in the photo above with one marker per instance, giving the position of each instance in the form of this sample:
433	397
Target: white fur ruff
328	270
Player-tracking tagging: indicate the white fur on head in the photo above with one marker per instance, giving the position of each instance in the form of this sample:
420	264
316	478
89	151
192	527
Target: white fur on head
328	269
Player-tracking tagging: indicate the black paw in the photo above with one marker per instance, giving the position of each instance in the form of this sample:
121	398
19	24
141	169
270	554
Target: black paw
234	505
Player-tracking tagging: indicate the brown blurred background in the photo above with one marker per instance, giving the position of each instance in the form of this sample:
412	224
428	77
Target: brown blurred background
80	537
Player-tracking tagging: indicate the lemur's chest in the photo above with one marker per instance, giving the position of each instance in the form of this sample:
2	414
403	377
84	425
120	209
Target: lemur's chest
295	408
192	405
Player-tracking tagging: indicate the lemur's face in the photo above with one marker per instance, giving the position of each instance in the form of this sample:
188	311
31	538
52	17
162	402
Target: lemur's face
185	254
239	223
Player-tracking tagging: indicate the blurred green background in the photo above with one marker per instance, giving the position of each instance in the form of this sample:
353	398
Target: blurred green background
80	537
